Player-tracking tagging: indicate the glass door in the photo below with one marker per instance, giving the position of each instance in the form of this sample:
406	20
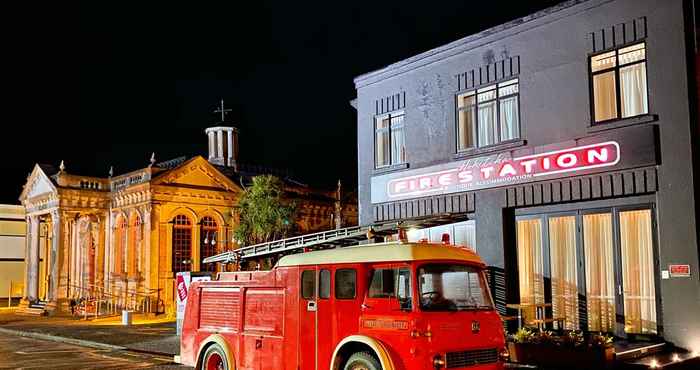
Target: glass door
562	251
599	261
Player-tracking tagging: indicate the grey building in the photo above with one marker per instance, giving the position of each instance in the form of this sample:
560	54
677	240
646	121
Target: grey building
564	145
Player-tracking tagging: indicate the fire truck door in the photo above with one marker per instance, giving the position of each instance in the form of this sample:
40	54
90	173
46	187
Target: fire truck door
308	320
324	323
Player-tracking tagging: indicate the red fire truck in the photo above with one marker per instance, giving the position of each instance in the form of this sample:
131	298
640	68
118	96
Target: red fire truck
388	306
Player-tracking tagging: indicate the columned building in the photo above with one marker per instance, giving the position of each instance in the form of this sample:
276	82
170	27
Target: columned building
128	235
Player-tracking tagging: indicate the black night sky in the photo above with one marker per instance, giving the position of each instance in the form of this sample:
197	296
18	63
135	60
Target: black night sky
104	84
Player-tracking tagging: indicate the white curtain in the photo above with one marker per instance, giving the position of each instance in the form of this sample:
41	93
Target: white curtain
398	141
562	246
488	134
530	266
466	128
509	118
600	278
604	101
633	90
382	142
638	271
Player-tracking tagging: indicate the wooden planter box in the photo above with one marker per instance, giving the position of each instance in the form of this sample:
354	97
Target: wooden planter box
551	355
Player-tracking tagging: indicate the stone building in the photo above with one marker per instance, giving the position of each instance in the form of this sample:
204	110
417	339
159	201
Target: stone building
127	235
12	231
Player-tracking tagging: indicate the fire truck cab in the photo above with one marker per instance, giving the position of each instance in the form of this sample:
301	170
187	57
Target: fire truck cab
388	306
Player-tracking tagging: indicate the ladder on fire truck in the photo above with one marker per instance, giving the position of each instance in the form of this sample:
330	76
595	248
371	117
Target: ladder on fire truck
324	240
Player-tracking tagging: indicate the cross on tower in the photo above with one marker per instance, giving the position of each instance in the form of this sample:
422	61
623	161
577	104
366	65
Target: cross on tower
222	111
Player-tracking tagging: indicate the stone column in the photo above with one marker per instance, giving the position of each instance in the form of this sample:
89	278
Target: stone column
32	263
229	155
220	144
146	246
56	254
211	144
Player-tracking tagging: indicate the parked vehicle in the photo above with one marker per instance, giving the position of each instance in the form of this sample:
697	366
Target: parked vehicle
388	306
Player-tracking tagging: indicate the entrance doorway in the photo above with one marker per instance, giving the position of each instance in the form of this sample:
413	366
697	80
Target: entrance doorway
589	269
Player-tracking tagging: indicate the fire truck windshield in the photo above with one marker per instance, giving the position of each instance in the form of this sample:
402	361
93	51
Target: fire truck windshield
452	287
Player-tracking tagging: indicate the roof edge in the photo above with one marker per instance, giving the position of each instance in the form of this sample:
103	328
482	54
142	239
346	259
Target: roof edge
362	80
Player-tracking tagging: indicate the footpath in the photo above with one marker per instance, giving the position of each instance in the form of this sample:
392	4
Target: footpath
147	335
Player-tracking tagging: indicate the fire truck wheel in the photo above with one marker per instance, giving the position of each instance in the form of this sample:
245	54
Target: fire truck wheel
214	359
362	361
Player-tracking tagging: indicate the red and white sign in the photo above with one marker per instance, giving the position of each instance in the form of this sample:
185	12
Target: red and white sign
502	170
181	288
679	270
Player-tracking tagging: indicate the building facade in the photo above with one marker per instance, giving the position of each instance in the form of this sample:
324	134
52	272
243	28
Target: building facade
12	231
566	144
127	235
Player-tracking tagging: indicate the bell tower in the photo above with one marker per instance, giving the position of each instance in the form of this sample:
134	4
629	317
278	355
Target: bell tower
223	141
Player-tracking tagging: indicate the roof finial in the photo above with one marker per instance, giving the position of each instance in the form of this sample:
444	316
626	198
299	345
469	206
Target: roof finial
153	158
62	166
111	171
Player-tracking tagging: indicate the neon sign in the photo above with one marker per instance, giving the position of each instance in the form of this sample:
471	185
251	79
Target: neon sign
502	170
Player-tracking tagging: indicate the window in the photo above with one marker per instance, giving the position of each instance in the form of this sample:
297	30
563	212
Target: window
120	243
488	116
452	287
392	283
345	283
207	243
182	243
308	284
390	140
324	288
134	245
619	80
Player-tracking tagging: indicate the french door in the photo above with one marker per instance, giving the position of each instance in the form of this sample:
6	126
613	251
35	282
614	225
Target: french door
592	270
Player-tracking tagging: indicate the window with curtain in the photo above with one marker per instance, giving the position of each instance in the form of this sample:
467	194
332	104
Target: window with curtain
488	116
619	82
182	243
530	266
390	140
562	249
638	271
599	265
207	246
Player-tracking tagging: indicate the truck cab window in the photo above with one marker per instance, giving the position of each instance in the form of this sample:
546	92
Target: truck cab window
345	283
308	284
392	283
324	288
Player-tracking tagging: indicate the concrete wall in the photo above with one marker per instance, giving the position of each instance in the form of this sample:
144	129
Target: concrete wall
550	53
12	247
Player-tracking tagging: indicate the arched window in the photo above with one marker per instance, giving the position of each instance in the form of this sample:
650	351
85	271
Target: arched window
119	244
182	243
132	254
207	243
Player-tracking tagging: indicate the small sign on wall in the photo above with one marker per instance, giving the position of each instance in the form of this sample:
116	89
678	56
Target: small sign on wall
679	270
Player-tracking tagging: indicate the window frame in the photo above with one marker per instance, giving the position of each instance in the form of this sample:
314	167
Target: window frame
616	69
388	116
312	297
321	281
475	130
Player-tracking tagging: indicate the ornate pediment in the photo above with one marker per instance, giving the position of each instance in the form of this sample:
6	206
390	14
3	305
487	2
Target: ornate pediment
197	172
38	183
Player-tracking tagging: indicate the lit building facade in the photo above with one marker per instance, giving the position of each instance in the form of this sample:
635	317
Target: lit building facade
127	235
12	232
566	145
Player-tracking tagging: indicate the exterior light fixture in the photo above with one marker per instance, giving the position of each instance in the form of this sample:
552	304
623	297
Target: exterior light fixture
213	239
675	357
654	364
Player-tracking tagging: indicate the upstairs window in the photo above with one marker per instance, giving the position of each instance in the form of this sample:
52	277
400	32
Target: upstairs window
390	140
619	80
488	116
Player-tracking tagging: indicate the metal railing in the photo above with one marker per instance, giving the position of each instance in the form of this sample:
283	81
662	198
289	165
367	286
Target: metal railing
96	300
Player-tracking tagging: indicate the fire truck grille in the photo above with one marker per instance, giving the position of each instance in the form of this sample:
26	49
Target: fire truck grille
470	358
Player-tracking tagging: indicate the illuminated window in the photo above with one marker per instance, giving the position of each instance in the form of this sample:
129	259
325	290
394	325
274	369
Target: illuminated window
488	116
120	243
182	243
390	140
207	243
134	244
619	81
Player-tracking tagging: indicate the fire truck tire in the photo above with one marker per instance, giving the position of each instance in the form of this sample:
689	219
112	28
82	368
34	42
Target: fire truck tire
362	361
214	359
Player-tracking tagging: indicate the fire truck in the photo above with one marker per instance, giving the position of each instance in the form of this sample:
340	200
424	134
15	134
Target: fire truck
386	306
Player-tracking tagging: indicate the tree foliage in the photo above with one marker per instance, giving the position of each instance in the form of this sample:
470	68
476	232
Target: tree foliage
264	215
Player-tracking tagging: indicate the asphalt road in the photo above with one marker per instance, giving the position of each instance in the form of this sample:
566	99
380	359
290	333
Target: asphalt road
27	353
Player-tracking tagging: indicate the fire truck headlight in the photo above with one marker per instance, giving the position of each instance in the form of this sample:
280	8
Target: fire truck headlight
438	362
503	354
